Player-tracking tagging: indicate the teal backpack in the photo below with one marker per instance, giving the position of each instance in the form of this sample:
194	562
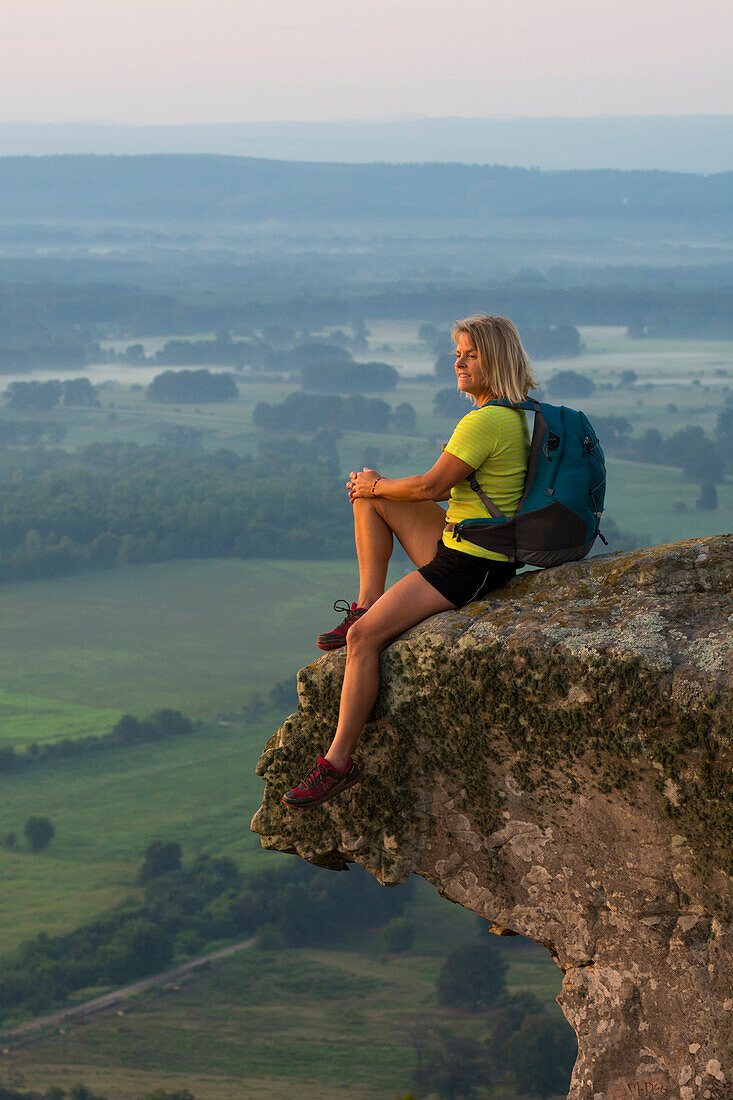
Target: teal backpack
560	511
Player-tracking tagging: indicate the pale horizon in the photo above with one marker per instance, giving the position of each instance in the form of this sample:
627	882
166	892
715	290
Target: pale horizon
506	116
226	62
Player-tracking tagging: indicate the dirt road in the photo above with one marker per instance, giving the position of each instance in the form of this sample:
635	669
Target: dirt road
32	1029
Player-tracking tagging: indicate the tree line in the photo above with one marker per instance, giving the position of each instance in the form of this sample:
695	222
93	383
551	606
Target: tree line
160	726
29	433
103	309
81	1092
523	1047
44	396
186	909
123	503
306	412
703	460
117	503
173	187
183	909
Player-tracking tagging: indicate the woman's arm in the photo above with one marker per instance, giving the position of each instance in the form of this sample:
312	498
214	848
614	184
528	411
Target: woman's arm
436	484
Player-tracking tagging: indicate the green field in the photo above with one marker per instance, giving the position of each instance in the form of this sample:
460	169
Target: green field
692	375
211	638
264	1026
645	500
199	636
199	789
25	719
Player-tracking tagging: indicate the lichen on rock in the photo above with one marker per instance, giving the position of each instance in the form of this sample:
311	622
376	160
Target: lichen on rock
557	758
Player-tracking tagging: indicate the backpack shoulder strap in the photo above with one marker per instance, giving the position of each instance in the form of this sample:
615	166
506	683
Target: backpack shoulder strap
488	504
530	405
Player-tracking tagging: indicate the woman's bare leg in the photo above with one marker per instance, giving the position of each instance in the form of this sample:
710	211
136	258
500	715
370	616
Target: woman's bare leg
418	526
408	602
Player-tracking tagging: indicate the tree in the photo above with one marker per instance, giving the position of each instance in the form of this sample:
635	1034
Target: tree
33	396
161	1094
404	418
192	386
135	353
445	365
316	353
346	377
724	429
161	857
542	1054
360	340
543	342
452	403
451	1065
39	832
427	333
697	454
613	431
81	1092
509	1017
398	936
137	948
570	383
180	437
285	694
80	391
708	499
472	977
310	411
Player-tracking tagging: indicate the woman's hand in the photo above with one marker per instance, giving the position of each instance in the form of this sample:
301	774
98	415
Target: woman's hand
361	484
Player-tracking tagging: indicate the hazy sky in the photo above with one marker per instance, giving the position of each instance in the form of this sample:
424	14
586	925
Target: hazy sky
178	61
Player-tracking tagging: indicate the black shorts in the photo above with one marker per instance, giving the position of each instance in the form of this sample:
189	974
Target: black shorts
461	577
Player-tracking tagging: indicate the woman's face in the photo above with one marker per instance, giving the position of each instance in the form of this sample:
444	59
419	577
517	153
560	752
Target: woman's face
467	369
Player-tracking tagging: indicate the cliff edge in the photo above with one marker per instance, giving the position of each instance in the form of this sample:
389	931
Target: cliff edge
557	758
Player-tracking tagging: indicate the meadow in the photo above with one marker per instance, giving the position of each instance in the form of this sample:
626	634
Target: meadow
204	637
263	1025
211	638
198	789
692	375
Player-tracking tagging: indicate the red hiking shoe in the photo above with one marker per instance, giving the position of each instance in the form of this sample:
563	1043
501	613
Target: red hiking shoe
334	639
321	783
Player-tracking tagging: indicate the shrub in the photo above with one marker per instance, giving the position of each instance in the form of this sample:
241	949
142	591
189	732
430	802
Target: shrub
39	832
542	1054
570	383
452	403
398	936
192	386
472	977
161	857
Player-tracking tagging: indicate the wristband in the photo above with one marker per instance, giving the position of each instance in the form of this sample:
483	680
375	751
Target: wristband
375	484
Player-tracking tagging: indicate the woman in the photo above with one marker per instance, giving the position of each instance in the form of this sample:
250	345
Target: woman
493	440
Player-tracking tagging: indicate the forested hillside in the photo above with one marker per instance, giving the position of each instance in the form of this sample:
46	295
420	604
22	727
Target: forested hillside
169	187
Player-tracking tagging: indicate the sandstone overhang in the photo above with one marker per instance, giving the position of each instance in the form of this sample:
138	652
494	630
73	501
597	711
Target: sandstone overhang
557	758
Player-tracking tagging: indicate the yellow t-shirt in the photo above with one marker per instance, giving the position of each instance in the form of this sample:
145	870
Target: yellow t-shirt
494	441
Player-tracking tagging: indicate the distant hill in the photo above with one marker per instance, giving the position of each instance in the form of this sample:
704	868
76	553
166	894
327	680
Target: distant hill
171	187
688	143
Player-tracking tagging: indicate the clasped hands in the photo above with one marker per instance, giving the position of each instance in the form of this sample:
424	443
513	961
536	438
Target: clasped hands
361	483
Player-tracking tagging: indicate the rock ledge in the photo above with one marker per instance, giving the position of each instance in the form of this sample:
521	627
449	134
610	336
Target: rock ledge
557	758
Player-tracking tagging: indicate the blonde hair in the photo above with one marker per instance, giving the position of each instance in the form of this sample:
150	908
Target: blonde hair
503	364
